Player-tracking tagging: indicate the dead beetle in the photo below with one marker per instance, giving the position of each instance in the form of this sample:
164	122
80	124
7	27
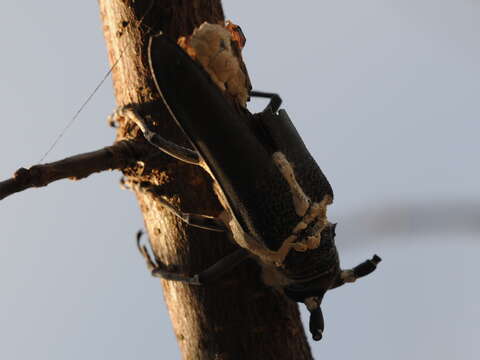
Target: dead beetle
274	194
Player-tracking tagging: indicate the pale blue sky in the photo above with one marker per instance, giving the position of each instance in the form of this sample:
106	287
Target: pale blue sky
385	94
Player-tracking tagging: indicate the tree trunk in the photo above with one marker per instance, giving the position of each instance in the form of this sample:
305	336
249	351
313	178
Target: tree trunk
238	317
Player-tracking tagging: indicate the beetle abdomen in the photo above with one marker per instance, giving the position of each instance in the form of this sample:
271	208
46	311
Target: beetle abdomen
279	134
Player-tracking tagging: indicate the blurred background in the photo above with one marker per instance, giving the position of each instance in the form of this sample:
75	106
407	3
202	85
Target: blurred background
384	93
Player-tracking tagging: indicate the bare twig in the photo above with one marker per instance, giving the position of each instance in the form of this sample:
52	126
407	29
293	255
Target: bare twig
117	156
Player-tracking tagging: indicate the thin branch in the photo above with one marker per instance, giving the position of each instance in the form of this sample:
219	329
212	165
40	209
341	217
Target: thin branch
120	155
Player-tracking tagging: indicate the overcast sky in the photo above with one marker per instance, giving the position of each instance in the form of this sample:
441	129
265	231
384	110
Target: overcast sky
384	93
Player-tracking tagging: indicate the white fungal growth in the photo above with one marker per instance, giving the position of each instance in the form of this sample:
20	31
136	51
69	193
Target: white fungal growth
316	214
300	200
313	215
212	47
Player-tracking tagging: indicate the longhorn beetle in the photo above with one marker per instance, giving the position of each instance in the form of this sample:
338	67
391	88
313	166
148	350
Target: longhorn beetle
273	193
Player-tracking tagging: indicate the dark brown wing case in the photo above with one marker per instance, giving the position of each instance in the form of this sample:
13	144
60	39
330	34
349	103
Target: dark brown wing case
236	155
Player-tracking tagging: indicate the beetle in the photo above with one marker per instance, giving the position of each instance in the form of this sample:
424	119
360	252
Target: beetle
273	193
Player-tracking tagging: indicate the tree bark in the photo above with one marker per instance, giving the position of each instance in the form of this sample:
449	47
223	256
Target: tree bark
238	317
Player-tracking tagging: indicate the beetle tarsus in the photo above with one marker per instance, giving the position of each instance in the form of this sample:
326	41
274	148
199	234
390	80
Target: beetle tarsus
176	151
158	269
207	276
275	100
201	221
151	263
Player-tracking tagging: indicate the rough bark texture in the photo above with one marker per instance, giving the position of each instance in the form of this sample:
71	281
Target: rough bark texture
239	317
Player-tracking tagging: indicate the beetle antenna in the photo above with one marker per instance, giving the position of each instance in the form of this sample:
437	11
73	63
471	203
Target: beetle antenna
93	92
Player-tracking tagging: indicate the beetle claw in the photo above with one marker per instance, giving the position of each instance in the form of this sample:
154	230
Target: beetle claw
158	269
152	264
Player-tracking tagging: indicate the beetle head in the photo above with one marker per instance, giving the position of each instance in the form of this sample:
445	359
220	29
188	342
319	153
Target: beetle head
313	272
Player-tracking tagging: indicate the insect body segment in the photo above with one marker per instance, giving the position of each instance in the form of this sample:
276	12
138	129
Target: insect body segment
275	203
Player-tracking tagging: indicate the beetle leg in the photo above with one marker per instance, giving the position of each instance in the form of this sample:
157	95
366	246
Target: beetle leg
316	323
151	263
275	100
361	270
209	275
158	269
201	221
178	152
